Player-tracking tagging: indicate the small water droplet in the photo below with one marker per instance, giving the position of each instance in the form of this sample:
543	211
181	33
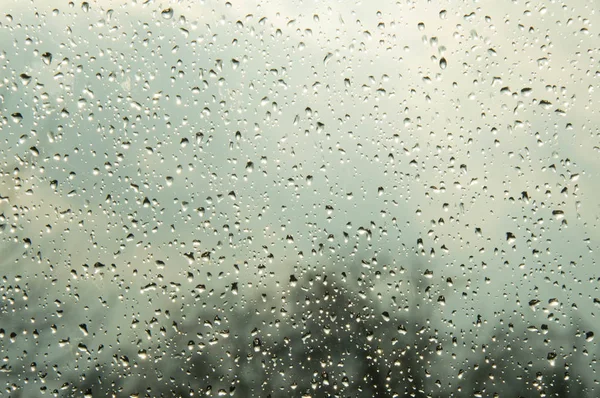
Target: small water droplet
25	78
167	13
589	336
17	117
256	345
47	58
510	238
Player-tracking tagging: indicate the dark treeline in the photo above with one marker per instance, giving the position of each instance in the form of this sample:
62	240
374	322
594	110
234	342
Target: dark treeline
318	334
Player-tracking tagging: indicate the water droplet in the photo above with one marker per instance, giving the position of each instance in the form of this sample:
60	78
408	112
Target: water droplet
17	117
534	303
510	238
25	78
558	214
47	58
167	13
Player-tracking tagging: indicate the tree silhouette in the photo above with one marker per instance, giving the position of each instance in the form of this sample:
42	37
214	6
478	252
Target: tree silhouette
318	335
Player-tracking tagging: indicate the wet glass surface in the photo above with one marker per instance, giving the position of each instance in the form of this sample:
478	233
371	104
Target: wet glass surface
291	198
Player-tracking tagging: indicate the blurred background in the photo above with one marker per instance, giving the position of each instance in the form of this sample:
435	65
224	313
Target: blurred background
299	198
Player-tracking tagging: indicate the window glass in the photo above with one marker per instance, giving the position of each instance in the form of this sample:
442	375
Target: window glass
299	198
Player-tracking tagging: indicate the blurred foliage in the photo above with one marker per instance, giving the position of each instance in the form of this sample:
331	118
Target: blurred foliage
317	336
